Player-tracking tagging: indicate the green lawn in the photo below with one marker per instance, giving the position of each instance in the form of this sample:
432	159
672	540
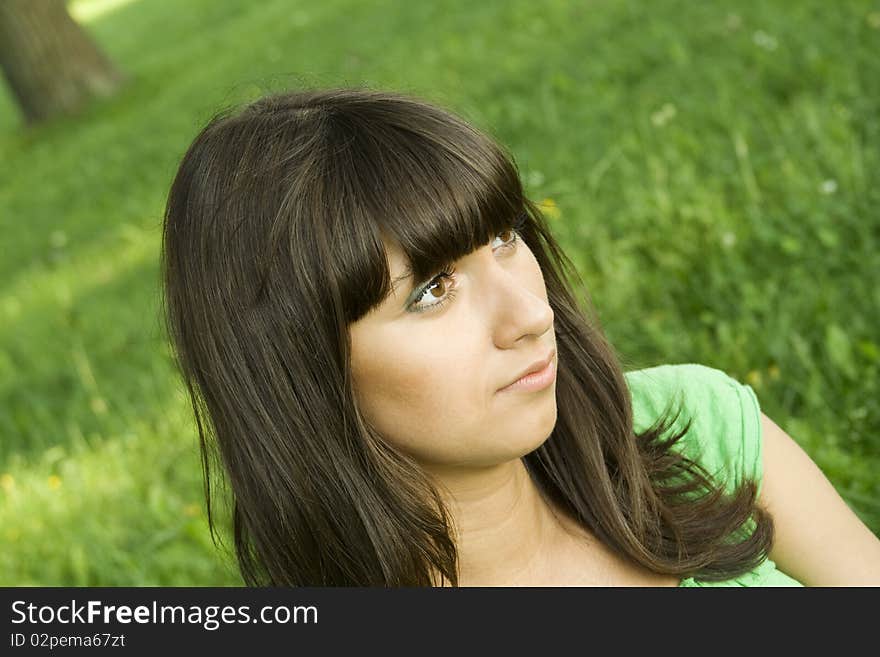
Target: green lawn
714	176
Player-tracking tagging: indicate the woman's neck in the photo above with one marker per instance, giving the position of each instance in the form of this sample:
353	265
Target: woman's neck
507	534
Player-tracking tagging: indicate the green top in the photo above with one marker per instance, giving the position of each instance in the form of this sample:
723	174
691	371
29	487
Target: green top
725	436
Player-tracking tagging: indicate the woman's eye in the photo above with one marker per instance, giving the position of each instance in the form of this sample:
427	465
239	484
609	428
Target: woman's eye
439	291
434	291
511	238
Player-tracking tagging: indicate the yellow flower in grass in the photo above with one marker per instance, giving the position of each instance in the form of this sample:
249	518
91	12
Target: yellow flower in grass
549	208
54	482
753	378
7	482
773	371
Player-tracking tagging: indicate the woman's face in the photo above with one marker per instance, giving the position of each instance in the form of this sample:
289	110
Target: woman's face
430	382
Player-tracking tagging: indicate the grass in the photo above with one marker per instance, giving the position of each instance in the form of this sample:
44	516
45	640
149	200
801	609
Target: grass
712	173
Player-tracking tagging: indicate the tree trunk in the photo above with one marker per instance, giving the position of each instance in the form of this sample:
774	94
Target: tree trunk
51	64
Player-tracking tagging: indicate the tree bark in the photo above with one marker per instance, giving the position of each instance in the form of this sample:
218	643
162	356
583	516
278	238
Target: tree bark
51	64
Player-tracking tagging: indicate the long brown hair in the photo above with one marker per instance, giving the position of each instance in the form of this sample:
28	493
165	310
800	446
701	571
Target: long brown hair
273	245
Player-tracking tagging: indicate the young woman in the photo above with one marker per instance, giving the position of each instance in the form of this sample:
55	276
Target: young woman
381	339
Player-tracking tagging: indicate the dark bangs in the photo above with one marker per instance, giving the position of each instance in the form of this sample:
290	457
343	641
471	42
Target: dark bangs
417	176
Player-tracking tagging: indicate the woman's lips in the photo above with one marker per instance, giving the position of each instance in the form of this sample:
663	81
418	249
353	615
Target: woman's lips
536	380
